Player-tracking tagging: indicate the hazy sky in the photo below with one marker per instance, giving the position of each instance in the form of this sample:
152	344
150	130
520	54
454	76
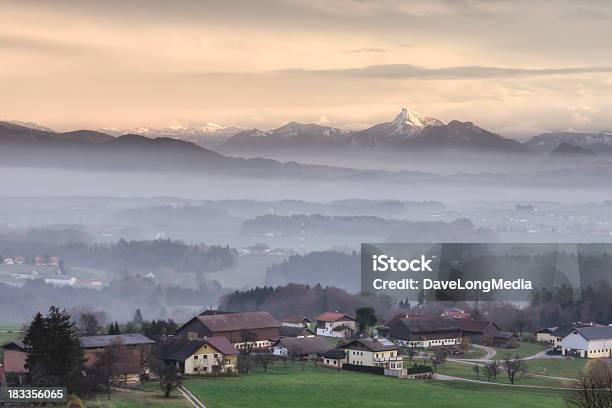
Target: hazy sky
510	66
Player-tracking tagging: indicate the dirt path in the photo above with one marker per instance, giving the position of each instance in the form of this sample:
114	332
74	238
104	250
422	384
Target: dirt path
443	377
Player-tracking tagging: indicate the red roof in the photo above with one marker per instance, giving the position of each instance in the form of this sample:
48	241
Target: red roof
222	344
333	317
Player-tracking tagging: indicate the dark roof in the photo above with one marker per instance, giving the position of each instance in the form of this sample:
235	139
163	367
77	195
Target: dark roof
304	345
335	354
430	325
238	321
566	328
547	330
179	349
333	317
295	319
595	333
292	331
503	335
129	339
474	326
16	345
372	344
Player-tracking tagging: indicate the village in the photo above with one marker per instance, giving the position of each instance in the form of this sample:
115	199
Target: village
214	345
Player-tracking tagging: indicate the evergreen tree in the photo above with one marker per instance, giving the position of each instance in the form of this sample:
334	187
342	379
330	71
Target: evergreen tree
138	320
55	356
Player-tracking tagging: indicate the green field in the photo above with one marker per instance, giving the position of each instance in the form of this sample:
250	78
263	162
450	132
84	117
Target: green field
137	399
473	353
463	370
324	387
557	368
524	349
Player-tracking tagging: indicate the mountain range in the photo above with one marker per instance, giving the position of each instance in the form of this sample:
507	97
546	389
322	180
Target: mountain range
182	146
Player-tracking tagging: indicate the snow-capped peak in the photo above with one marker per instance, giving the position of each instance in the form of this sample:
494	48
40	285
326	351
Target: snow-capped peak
415	119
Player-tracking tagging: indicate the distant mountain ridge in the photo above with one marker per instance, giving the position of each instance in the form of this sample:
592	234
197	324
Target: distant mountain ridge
547	142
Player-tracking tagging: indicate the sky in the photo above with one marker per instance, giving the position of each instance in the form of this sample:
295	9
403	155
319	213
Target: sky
515	67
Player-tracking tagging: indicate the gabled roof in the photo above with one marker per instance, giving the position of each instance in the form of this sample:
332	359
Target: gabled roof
430	325
295	319
595	333
333	317
504	335
222	344
304	345
129	339
237	321
16	345
179	349
292	331
549	330
374	345
566	328
474	326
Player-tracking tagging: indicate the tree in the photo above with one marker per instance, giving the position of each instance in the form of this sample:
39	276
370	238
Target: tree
593	389
108	362
138	320
439	357
366	317
491	370
514	368
113	329
168	378
476	369
55	356
88	324
264	360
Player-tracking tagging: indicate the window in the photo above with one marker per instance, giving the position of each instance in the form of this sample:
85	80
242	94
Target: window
195	357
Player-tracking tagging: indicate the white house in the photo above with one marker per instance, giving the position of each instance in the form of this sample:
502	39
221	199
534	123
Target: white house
375	353
335	324
588	342
9	261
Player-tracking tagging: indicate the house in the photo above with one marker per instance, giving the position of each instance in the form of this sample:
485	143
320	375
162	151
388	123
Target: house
545	335
54	260
504	339
378	352
335	324
296	321
308	348
8	261
14	357
564	329
20	260
588	342
291	331
134	350
425	332
478	331
209	356
334	358
40	260
257	330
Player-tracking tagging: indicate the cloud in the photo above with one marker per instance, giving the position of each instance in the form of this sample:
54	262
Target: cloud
22	43
406	71
365	50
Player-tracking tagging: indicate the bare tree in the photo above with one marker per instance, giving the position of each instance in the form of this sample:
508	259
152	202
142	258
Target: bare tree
264	360
88	324
593	389
108	361
476	369
515	367
169	378
491	370
145	360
